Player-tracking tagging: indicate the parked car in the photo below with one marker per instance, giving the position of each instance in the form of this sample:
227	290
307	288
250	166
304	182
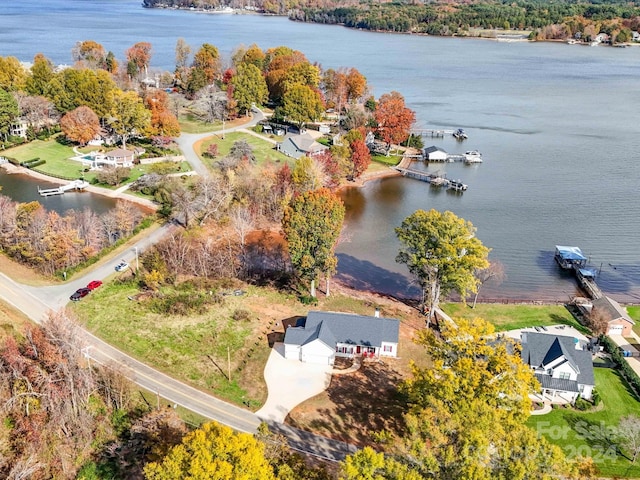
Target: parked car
122	266
78	294
94	284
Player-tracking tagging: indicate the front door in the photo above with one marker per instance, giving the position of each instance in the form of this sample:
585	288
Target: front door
358	350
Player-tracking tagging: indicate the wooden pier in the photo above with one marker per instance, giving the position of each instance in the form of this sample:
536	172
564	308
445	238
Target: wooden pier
426	132
75	185
572	258
435	179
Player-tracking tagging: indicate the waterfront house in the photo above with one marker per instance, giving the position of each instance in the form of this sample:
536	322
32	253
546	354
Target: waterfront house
435	154
562	366
618	320
323	336
296	146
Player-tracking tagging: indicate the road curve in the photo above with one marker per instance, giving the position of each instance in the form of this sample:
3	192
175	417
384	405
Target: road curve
37	302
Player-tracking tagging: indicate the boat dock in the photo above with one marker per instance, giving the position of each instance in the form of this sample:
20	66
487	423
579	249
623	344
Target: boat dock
572	258
75	185
425	132
435	179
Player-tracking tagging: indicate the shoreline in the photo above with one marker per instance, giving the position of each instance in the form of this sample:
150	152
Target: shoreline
149	205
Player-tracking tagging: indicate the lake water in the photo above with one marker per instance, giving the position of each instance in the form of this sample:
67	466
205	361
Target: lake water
556	124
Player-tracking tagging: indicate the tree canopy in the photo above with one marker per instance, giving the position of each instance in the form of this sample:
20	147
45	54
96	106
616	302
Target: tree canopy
442	252
213	451
312	225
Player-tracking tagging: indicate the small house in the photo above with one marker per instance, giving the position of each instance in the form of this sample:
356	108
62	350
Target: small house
323	336
435	154
296	146
563	368
618	320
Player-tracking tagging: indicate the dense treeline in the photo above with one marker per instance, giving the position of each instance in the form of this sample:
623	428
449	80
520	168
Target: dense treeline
452	20
50	243
567	17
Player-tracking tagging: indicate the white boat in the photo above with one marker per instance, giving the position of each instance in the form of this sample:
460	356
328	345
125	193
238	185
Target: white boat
473	156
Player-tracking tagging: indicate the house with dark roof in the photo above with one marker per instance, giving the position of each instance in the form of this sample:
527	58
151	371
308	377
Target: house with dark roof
561	365
296	146
618	320
323	336
435	154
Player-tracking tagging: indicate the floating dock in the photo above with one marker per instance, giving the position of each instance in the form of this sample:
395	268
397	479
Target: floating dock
75	185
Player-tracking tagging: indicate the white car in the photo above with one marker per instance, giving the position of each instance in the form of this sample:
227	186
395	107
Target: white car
122	266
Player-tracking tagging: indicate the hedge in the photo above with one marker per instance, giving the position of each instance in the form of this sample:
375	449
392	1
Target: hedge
625	369
34	162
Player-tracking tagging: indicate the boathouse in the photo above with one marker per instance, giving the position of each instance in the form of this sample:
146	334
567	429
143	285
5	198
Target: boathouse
435	154
570	257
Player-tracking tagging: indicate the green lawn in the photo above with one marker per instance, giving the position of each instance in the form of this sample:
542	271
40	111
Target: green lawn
510	317
56	155
189	123
390	160
634	313
593	433
263	150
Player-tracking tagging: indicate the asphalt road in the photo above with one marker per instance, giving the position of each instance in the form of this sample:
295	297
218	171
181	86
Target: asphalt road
37	302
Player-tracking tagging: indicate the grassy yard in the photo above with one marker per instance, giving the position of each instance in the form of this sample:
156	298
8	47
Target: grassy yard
189	123
263	150
634	313
389	161
593	433
56	155
511	317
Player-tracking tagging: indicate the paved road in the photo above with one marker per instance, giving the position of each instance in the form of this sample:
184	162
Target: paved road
37	302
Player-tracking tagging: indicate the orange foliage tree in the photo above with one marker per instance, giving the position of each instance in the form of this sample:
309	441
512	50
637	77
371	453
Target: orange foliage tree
394	118
80	125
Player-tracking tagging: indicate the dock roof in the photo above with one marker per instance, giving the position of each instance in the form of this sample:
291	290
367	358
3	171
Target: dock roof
570	253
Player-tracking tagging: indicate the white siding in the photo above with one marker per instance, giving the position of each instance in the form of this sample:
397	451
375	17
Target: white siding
388	353
567	369
292	352
317	352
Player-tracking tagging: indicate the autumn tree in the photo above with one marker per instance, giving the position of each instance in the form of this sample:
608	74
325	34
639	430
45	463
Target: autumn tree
442	252
301	104
394	118
163	122
308	174
207	60
80	125
128	115
367	464
467	409
73	88
138	58
213	451
89	54
12	74
360	158
38	112
183	52
312	225
8	111
249	87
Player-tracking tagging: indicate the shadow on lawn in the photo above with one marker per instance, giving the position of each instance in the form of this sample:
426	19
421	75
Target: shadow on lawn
364	402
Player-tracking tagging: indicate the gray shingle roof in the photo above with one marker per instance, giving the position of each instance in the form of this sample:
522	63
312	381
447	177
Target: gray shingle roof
333	328
547	381
612	309
541	349
433	149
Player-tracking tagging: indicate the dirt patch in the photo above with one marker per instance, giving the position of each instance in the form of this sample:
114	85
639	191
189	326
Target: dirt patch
21	273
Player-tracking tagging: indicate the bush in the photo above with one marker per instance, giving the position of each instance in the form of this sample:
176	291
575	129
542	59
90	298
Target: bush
241	315
581	404
595	398
308	300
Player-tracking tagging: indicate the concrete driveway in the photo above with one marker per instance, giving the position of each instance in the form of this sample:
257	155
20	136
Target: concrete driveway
290	382
565	330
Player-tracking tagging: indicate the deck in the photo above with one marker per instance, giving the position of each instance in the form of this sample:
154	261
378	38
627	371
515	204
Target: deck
435	179
77	185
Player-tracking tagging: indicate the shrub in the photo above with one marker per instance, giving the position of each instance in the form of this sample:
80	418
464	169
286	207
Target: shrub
308	300
595	398
581	404
241	315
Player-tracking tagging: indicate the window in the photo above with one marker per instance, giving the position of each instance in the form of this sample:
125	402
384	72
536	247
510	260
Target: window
565	376
388	348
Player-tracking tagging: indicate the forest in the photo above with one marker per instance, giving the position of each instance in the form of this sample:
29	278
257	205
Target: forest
541	20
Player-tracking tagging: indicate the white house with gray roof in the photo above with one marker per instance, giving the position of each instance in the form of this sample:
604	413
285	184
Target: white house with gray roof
560	364
296	146
323	336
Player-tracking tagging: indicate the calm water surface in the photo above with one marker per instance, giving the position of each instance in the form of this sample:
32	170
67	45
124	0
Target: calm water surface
556	124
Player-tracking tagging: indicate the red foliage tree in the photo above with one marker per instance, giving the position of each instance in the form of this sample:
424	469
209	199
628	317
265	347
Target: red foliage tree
139	56
360	158
394	118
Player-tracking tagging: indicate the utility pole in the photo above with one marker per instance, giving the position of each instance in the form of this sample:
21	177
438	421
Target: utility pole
229	362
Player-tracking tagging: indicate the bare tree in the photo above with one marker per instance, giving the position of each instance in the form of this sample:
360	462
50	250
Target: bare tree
494	273
213	196
598	321
629	435
211	104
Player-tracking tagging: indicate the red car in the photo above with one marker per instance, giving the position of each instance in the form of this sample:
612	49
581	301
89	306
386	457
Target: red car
94	284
